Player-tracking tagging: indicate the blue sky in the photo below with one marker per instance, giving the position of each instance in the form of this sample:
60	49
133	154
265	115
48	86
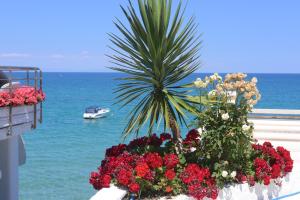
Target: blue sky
67	35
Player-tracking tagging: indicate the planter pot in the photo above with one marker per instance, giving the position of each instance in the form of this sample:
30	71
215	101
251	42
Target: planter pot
22	119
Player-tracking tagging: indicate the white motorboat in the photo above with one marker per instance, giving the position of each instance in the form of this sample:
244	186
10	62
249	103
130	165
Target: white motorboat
94	112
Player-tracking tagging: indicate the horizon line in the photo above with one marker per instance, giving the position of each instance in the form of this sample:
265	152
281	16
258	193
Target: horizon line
192	73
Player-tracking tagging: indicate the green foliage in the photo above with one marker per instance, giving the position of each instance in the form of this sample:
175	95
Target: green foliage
156	52
226	132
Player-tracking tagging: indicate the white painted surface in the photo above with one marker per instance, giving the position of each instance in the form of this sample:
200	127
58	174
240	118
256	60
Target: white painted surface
111	193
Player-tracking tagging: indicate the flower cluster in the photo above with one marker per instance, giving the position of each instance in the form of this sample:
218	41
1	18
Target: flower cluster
271	163
199	83
233	86
152	140
238	86
224	141
157	171
21	96
199	182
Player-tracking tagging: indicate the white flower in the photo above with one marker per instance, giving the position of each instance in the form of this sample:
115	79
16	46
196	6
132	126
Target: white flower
245	127
231	95
225	116
207	79
199	83
233	174
199	130
254	80
192	149
212	93
215	77
224	174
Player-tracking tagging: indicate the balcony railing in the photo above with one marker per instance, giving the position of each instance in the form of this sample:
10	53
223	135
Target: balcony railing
10	76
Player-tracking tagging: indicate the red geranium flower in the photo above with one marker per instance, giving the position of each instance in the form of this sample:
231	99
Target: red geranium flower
169	189
267	180
142	170
154	160
171	160
170	174
124	177
115	151
165	136
134	187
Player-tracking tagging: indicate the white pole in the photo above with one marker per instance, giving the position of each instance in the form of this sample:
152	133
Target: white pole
9	164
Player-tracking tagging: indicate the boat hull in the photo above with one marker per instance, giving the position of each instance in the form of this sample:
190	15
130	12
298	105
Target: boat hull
102	113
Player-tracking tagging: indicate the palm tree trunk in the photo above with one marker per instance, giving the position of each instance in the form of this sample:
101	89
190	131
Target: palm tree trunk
176	134
175	130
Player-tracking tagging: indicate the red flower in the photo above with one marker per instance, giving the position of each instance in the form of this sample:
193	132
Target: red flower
267	144
154	160
241	178
99	181
169	189
142	170
4	99
192	136
171	160
170	174
251	180
197	191
154	140
138	142
214	193
267	180
134	187
287	159
21	96
261	168
124	177
276	171
165	136
106	180
194	173
115	151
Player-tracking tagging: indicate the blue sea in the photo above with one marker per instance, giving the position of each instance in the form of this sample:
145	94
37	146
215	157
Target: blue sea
65	148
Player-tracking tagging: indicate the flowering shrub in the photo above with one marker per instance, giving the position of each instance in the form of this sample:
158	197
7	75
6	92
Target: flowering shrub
226	133
21	96
220	152
159	170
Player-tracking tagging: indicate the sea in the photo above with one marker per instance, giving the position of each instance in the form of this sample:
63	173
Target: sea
65	148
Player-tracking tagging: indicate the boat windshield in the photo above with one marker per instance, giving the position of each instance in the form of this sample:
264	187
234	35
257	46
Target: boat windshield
90	110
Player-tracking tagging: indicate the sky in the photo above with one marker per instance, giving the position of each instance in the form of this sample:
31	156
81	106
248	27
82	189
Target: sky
71	36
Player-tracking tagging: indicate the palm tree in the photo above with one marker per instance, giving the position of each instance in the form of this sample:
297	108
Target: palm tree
155	53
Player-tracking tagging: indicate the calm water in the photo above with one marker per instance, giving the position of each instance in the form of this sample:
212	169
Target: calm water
66	148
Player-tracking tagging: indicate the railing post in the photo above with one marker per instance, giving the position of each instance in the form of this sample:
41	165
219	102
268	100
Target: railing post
41	104
9	133
27	78
34	106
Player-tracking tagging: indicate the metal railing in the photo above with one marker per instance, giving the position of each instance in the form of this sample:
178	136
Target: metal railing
27	77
